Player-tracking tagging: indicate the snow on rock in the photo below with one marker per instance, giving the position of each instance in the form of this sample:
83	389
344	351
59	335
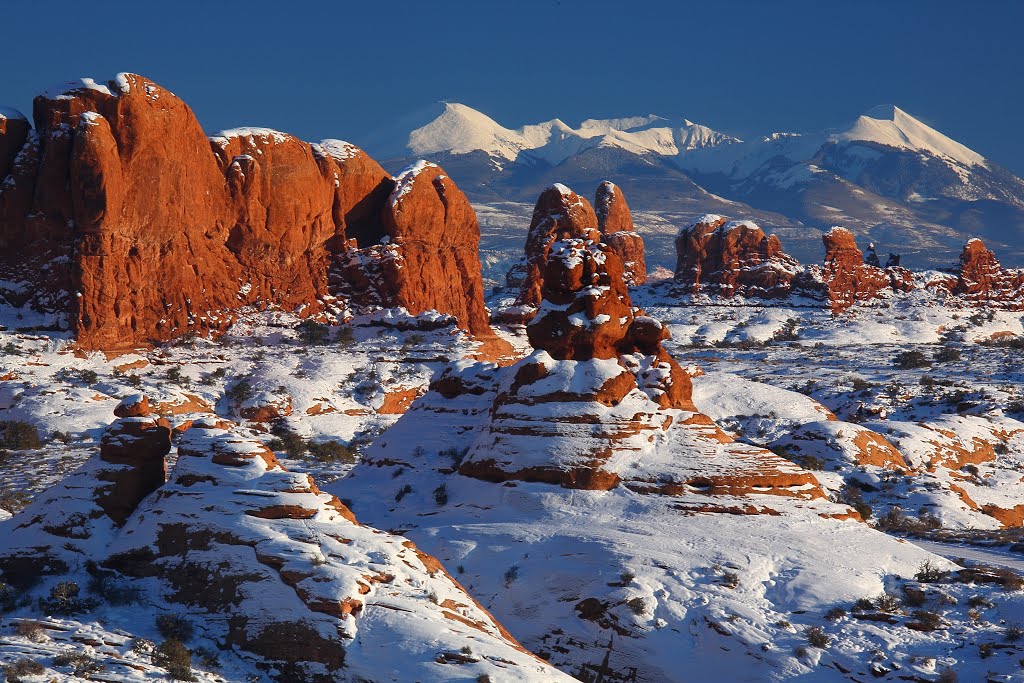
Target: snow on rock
269	565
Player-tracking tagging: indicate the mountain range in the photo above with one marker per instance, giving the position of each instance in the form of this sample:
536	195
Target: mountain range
887	176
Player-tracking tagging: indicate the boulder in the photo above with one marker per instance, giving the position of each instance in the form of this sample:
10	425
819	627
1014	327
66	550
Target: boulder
137	447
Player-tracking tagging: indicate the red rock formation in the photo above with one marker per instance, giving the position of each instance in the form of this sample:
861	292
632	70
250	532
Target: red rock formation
732	258
616	225
848	280
158	230
983	281
137	446
586	309
559	214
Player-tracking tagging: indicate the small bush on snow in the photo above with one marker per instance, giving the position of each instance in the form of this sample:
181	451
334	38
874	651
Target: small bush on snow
173	656
174	626
816	637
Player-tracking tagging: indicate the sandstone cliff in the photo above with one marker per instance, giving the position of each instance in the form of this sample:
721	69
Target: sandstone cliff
118	211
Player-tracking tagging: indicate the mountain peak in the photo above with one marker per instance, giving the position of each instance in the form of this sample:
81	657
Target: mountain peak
887	124
885	112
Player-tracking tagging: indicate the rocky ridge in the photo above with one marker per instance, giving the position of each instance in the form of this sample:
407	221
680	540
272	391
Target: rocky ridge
118	213
735	258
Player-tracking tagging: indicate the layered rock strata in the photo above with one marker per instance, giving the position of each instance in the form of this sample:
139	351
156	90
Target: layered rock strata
272	565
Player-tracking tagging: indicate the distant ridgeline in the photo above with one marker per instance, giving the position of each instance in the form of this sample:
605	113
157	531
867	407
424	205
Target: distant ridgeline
120	215
736	258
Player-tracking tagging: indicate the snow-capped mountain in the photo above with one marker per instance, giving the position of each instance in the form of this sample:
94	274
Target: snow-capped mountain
887	175
459	129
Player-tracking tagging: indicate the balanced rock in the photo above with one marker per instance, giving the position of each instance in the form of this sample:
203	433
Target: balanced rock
732	258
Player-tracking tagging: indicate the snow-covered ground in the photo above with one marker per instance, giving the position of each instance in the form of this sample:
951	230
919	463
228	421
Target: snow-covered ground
679	595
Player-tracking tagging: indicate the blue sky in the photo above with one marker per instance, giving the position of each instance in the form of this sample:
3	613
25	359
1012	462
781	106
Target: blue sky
343	69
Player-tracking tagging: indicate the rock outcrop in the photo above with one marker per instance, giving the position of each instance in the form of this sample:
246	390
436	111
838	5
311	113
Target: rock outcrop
561	214
429	258
849	280
615	222
733	258
270	565
119	197
598	404
982	281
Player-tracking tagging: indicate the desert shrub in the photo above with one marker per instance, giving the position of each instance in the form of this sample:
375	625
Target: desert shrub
82	665
173	626
863	605
835	614
175	375
457	455
9	597
800	652
811	462
63	599
926	621
980	601
312	333
637	606
239	392
483	678
441	494
31	629
208	659
345	337
861	384
133	380
887	602
288	441
908	360
947	354
173	656
816	637
1014	632
730	579
403	492
511	574
929	573
914	597
985	650
947	676
22	667
19	436
143	646
626	578
788	331
1009	579
331	451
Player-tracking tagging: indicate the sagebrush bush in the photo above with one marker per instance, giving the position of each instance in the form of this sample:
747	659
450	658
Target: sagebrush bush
174	626
19	436
816	637
331	451
174	657
64	600
31	629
